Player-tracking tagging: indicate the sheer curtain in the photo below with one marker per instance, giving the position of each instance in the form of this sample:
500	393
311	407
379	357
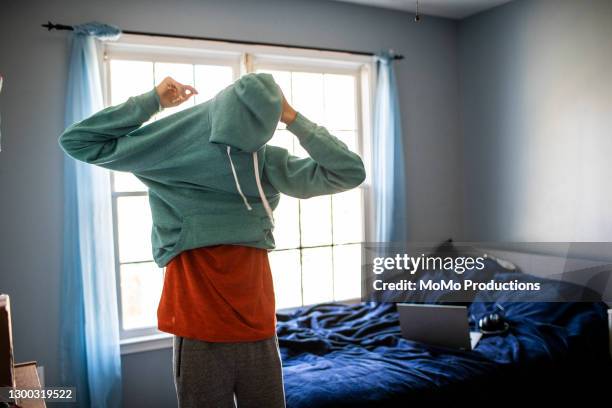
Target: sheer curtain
89	344
389	176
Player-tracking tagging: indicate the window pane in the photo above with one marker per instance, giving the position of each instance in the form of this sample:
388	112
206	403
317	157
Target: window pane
134	229
298	150
286	270
347	216
315	221
123	182
317	276
141	286
347	272
183	73
339	102
284	139
129	78
308	95
210	79
287	226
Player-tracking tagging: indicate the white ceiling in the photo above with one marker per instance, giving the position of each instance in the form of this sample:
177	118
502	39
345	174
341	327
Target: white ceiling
456	9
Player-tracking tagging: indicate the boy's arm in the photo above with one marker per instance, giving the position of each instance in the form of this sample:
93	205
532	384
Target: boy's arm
106	138
113	137
331	167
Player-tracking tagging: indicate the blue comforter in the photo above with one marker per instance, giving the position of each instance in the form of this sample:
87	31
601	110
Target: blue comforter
354	356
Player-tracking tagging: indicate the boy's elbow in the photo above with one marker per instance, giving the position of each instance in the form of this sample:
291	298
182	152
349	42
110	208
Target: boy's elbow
64	141
362	173
348	179
358	175
73	145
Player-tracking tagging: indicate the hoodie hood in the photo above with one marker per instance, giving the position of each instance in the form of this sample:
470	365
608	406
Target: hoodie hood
245	114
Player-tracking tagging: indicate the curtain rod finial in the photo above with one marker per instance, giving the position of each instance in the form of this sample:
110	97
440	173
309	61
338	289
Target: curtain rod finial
51	26
395	55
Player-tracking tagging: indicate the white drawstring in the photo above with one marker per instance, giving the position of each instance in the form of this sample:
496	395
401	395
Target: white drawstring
262	195
261	192
246	203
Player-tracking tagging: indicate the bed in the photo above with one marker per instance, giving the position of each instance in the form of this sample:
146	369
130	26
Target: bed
339	355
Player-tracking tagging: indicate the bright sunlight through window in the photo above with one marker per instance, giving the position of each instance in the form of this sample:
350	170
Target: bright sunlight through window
317	239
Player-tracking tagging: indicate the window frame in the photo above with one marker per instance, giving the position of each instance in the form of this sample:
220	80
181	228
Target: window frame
243	58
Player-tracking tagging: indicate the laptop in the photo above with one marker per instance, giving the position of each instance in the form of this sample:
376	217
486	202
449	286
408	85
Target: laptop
437	325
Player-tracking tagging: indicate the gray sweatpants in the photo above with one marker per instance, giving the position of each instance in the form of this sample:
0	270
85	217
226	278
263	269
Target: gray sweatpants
226	375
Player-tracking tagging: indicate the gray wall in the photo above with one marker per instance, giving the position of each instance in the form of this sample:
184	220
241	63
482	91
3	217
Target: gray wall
34	63
536	111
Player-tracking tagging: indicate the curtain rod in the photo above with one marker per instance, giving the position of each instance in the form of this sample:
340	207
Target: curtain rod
51	26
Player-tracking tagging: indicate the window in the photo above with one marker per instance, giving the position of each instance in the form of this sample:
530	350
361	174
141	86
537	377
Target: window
317	258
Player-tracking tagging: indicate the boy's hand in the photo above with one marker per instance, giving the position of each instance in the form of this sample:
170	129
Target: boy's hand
288	115
172	93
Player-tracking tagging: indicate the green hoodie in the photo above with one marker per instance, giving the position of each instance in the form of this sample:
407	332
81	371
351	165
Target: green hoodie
211	177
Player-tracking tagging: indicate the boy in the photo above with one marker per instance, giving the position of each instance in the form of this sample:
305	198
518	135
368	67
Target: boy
213	184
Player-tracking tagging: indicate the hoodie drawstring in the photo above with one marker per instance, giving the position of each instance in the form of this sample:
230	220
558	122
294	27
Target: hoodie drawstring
246	203
264	200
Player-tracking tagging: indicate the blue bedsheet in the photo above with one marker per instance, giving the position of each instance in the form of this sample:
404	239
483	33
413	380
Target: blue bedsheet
354	356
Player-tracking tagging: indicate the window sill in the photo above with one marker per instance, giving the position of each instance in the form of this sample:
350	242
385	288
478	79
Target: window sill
161	341
146	343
